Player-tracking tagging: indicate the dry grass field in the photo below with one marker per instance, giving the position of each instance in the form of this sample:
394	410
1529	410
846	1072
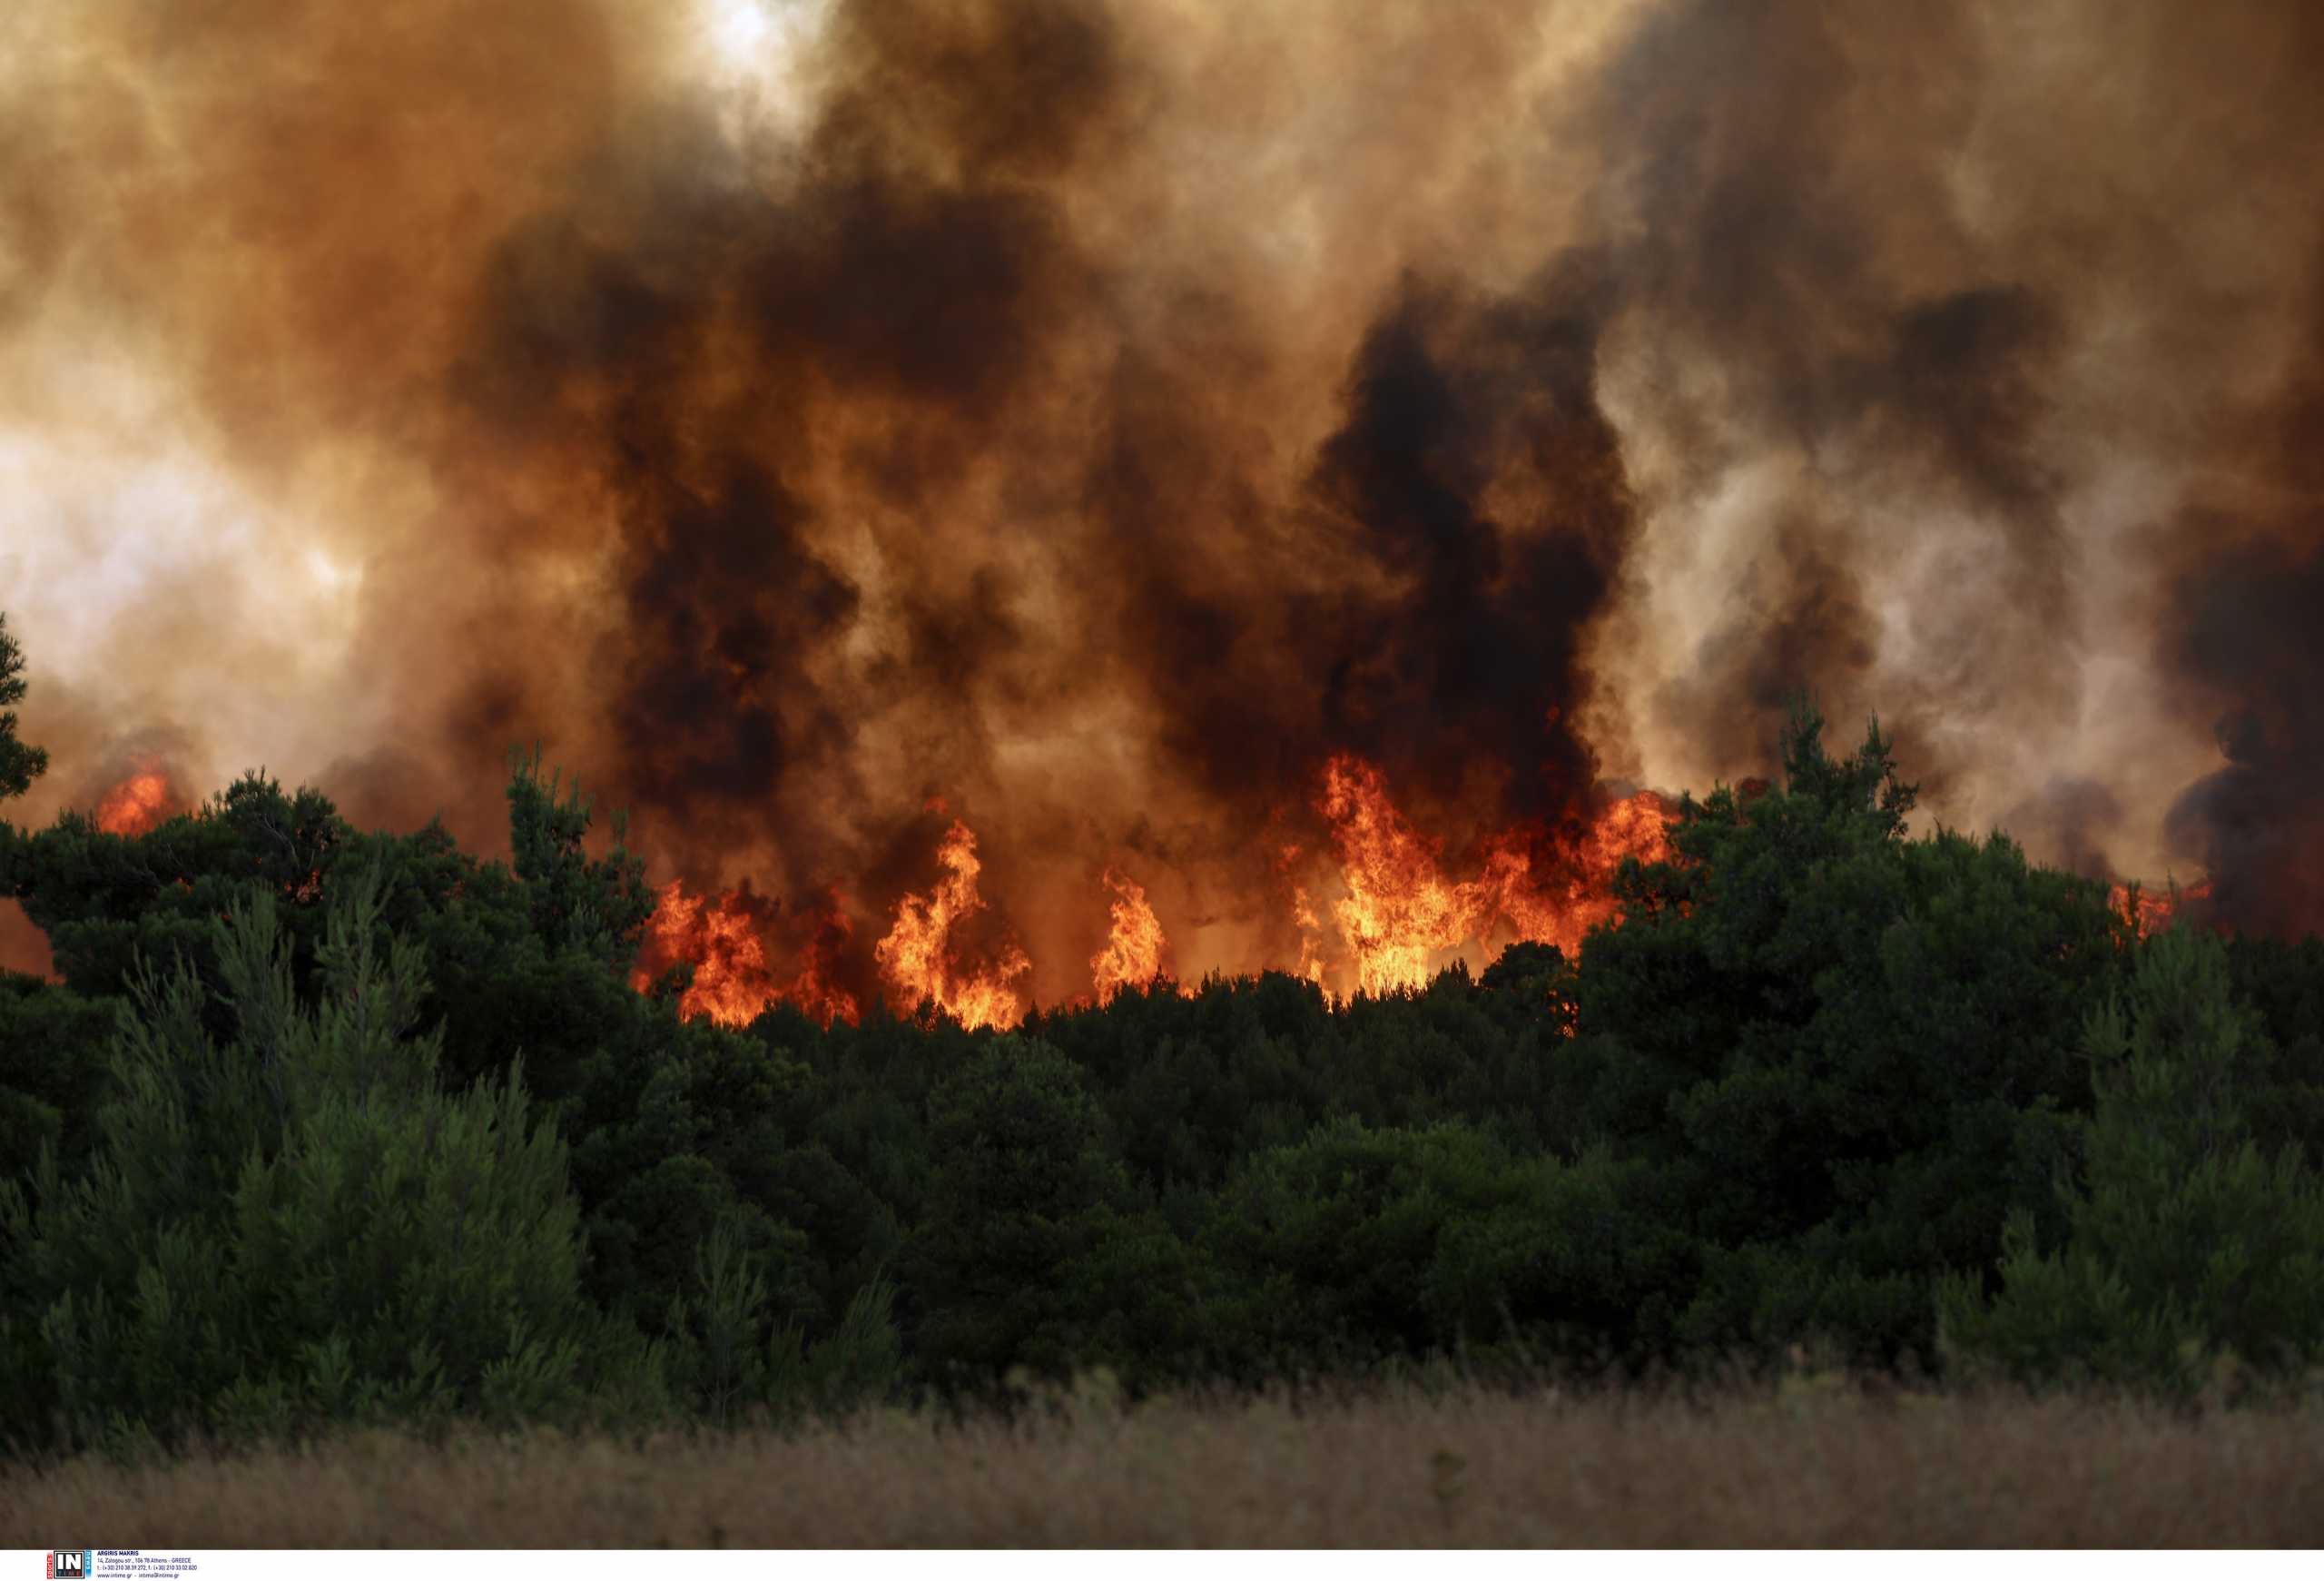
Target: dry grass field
1813	1465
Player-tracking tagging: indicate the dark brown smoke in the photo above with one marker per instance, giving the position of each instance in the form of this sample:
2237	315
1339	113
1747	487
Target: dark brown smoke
1096	417
2243	630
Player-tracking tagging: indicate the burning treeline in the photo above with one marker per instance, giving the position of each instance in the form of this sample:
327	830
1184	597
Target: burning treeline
1397	913
1398	917
1023	496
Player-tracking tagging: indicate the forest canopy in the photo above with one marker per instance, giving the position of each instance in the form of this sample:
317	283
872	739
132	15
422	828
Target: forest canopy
318	1124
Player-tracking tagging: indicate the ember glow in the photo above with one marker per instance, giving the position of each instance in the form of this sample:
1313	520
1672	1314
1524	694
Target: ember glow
141	802
2150	911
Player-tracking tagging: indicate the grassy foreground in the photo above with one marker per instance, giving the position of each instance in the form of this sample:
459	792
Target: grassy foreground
1813	1465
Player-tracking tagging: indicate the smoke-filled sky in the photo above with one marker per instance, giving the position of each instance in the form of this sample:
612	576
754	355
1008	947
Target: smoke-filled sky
1092	416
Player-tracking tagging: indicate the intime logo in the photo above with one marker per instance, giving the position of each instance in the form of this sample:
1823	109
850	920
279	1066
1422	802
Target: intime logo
70	1562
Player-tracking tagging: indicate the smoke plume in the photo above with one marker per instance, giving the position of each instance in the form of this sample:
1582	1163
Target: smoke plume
816	423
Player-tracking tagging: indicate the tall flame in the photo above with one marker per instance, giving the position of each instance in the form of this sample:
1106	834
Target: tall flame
920	959
1133	955
1399	910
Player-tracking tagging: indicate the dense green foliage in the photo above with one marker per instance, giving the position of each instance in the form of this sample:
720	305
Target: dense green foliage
20	762
1850	1054
297	1219
2186	1243
323	1125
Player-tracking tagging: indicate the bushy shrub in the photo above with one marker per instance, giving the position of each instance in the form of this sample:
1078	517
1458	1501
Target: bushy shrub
745	1355
1358	1245
52	1058
1033	1253
296	1223
2184	1243
1845	1051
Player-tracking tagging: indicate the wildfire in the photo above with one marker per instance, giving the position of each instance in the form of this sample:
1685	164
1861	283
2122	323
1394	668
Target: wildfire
141	802
1401	911
1559	906
724	940
1302	913
920	959
2150	911
1398	914
1133	955
1398	910
1311	947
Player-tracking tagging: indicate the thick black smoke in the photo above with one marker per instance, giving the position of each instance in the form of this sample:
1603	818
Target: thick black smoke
2250	635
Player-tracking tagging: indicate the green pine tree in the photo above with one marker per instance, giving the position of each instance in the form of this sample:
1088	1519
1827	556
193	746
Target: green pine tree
20	762
297	1223
2186	1248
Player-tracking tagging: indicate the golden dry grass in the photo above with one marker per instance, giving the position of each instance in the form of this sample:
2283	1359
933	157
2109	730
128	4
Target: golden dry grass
1811	1466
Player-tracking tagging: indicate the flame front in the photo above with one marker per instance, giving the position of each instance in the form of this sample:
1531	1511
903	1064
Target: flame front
920	959
1398	915
1133	955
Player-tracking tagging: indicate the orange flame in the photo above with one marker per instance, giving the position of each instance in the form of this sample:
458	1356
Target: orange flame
141	802
1398	915
1133	955
919	958
1311	947
1400	912
724	940
812	990
1302	913
2150	911
1560	907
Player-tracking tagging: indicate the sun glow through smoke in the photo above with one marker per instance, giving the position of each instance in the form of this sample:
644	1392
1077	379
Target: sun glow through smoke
736	28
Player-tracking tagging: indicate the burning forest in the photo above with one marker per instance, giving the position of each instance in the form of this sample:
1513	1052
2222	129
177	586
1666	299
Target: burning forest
1030	500
1613	692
